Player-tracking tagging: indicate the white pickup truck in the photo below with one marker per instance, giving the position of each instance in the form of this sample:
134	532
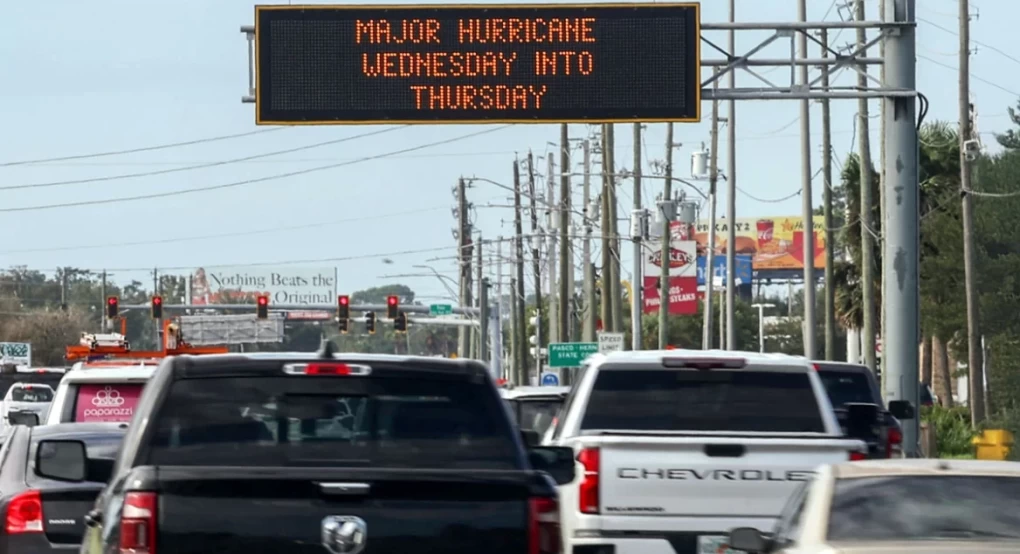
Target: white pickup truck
677	447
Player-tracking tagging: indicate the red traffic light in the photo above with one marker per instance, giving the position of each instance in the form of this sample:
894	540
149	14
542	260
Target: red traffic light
391	300
157	300
263	300
345	300
112	300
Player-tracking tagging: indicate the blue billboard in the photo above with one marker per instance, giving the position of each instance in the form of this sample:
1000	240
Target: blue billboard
744	270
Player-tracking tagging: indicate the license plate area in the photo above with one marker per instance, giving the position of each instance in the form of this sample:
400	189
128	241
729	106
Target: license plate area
714	544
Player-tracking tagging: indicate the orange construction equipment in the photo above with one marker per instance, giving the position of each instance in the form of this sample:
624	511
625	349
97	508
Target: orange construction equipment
115	346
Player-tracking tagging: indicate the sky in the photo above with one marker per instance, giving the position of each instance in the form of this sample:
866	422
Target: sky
82	78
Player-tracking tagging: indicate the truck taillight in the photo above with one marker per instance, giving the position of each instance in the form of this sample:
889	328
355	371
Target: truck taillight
588	491
543	526
138	523
25	513
894	443
857	456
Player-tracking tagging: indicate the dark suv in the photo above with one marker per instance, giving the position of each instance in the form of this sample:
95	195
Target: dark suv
852	385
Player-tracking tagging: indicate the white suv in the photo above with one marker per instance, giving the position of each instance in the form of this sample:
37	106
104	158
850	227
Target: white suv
100	391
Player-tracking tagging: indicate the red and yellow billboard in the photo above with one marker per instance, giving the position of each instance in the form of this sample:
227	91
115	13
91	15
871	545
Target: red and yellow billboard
772	242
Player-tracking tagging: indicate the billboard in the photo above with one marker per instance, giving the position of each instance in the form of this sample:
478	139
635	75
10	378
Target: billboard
774	243
682	260
683	295
284	285
477	63
744	272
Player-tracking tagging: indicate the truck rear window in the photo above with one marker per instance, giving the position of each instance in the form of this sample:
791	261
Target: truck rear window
109	402
32	394
333	421
684	400
845	387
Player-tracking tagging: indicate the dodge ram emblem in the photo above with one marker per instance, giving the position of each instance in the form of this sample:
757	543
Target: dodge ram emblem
344	534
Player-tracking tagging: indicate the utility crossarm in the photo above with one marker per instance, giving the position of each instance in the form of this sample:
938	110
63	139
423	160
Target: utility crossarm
409	308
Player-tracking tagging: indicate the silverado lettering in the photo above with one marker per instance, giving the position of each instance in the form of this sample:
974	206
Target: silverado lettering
680	474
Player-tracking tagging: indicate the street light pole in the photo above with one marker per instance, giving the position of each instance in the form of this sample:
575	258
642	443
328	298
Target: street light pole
761	324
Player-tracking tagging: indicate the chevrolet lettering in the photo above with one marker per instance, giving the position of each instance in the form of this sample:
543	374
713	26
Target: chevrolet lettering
681	474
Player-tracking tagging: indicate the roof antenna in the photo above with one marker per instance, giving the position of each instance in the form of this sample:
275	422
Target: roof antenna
327	350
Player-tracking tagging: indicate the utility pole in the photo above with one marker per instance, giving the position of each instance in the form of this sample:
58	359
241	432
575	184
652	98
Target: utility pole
588	328
565	266
901	230
550	225
497	340
830	291
713	180
976	396
103	301
638	286
518	359
731	195
867	210
614	240
478	343
883	322
64	305
464	257
483	315
606	290
521	335
536	262
666	208
805	151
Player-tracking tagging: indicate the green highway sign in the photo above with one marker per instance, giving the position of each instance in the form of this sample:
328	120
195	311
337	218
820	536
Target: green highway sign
441	309
570	354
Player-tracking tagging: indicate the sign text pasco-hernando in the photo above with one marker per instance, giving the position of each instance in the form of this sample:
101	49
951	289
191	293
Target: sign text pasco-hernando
476	63
284	285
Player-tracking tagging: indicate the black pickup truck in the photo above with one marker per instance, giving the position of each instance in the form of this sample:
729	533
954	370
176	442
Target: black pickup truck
854	387
326	453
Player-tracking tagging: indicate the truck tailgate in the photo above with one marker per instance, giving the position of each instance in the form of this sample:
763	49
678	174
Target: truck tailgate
251	511
698	476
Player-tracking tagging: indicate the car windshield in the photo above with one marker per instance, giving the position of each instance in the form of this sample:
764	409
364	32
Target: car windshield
685	400
31	394
846	387
928	507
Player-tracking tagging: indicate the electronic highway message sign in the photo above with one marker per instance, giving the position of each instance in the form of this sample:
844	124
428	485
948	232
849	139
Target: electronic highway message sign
477	63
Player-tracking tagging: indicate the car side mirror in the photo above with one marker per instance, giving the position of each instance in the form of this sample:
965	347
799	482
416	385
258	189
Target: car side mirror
30	419
531	437
61	460
747	539
902	409
862	420
557	461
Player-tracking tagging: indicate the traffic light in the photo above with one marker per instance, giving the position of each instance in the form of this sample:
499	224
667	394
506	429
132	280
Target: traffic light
157	307
370	322
112	307
262	306
343	307
400	323
343	324
392	306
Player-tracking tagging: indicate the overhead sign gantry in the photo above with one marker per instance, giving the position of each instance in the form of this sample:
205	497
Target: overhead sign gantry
385	64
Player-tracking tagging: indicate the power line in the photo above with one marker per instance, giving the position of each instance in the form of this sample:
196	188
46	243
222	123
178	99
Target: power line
171	240
202	166
144	149
247	181
979	43
972	76
153	163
